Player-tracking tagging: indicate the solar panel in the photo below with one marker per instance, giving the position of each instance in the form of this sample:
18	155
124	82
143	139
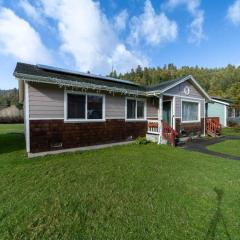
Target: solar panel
56	69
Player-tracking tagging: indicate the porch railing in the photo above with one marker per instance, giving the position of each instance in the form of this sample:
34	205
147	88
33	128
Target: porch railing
168	132
213	127
154	126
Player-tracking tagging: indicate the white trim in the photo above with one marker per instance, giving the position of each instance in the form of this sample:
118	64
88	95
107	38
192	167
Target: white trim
225	116
54	118
181	96
224	103
66	120
190	77
174	113
160	118
62	118
83	120
145	109
117	118
199	111
204	117
27	127
186	90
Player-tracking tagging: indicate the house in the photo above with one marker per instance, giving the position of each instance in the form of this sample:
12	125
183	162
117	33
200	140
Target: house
66	109
224	109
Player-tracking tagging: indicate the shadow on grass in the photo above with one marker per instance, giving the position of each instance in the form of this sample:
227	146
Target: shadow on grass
11	142
217	218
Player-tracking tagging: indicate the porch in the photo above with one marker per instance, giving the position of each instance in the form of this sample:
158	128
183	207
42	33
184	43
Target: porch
233	115
161	132
162	128
180	119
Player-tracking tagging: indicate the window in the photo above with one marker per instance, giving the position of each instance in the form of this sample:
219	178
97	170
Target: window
237	112
131	109
95	104
84	107
135	109
76	106
231	112
140	109
190	111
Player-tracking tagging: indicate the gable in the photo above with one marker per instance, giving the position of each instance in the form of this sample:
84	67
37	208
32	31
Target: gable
179	90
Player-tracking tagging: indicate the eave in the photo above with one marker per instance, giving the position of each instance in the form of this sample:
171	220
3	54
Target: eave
76	84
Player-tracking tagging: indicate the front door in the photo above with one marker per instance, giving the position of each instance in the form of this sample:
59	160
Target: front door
167	112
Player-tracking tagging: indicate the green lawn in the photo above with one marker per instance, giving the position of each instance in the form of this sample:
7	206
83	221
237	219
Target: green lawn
11	128
231	131
125	192
231	147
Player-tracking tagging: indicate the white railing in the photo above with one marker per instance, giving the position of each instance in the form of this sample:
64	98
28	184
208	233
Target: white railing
154	126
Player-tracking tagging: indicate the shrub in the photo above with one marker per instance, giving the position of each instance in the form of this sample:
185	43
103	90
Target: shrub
142	141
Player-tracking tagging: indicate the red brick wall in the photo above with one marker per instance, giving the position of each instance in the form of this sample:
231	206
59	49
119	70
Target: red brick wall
190	128
47	135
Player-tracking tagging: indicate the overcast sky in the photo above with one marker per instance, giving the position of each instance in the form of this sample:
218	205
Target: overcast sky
89	35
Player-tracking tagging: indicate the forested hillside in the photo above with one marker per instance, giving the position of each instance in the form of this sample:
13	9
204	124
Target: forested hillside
223	82
8	97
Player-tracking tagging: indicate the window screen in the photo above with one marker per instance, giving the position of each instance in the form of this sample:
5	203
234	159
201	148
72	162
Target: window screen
131	108
76	106
95	107
190	111
140	109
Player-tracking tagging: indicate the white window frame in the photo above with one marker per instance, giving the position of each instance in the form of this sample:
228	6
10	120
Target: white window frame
199	111
74	120
145	109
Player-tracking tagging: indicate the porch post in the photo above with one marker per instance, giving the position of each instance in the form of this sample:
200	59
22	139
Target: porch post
160	117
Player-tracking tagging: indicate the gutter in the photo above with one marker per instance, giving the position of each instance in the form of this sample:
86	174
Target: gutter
69	83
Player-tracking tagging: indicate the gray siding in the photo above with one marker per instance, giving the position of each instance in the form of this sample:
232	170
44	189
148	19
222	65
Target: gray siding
179	90
152	108
46	101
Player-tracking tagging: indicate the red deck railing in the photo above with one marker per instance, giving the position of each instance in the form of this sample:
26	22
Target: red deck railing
213	127
168	133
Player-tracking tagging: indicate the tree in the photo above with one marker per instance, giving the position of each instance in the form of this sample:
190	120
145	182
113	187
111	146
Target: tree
222	82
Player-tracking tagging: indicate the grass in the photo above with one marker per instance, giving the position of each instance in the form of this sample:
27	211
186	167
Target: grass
125	192
11	128
230	147
231	131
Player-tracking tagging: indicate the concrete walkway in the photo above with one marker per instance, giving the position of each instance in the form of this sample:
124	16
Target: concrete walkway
200	145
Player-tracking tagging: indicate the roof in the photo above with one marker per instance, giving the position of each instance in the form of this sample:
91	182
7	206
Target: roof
162	85
165	86
47	74
222	100
52	75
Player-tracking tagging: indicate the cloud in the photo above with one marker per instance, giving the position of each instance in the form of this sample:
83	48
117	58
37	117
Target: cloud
152	28
233	13
31	11
20	40
87	35
196	26
120	20
122	57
